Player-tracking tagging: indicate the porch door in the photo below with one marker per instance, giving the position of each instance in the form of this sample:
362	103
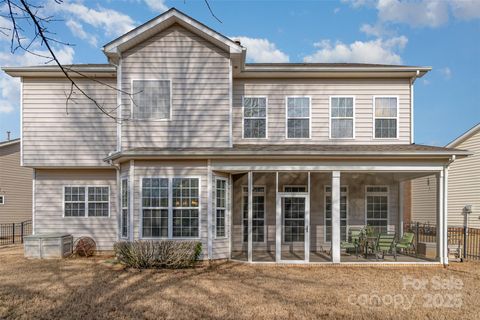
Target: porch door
293	219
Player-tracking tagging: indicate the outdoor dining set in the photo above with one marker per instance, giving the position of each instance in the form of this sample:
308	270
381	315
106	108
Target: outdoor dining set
366	241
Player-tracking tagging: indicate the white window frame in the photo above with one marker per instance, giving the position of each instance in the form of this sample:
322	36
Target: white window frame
309	117
386	193
266	117
123	208
264	193
341	118
2	199
325	195
85	187
295	186
397	118
132	105
225	208
170	207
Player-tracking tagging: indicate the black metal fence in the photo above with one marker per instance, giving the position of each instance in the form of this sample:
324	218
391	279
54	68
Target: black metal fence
465	238
12	233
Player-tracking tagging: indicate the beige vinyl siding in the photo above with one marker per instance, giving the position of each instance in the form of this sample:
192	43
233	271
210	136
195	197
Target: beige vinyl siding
49	218
464	184
145	169
424	200
15	186
200	75
320	90
53	137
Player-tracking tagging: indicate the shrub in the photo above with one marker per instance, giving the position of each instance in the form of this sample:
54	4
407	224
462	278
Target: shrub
172	254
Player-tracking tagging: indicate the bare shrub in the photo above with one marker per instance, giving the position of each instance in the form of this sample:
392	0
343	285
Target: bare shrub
172	254
85	247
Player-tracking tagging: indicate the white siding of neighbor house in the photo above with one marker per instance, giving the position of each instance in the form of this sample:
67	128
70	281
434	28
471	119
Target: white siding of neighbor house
464	184
320	90
83	136
200	77
48	204
424	200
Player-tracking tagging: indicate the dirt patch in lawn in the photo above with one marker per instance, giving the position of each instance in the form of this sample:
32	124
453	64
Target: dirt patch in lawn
97	288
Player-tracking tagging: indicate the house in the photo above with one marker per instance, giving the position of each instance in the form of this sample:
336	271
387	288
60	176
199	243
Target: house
270	162
463	188
15	185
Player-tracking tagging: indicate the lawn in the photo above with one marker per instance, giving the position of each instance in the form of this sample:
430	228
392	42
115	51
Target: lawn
96	288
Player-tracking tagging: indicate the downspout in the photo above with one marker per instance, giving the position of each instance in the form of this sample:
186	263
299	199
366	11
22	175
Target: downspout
118	190
412	131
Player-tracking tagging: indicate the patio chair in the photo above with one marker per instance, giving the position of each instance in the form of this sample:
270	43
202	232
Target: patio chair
354	242
385	245
406	242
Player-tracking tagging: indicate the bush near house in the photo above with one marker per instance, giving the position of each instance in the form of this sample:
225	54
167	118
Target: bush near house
158	254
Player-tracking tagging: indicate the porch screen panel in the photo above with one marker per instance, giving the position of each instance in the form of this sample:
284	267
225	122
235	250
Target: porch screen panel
221	206
342	116
155	207
377	208
298	117
124	221
343	213
294	219
254	117
258	218
386	117
185	202
151	99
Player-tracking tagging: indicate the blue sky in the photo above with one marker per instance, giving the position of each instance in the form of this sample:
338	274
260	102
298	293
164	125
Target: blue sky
442	34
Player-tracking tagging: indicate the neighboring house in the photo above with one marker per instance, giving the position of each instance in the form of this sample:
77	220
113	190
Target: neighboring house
463	187
260	162
15	185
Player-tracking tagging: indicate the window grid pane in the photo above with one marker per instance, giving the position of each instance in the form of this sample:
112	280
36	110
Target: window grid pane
185	195
151	99
298	117
221	204
258	214
74	200
155	207
343	214
377	209
124	221
254	117
386	113
98	201
294	220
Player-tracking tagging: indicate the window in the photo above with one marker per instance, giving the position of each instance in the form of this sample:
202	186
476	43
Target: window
258	214
170	207
151	99
298	117
343	213
124	221
293	219
386	117
377	208
295	189
91	201
254	117
2	199
342	117
155	207
220	207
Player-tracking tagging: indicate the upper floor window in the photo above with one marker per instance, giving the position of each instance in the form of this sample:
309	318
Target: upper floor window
298	117
254	117
386	117
2	199
342	115
152	99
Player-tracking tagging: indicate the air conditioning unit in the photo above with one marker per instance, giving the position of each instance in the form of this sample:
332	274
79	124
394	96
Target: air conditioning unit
48	245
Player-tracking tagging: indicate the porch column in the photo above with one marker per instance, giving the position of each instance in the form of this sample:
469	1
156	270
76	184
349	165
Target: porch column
336	216
209	210
440	217
401	208
445	216
250	216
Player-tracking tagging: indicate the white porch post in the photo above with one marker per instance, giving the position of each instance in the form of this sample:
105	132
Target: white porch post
440	218
131	202
307	221
209	211
336	216
278	223
401	208
445	216
250	216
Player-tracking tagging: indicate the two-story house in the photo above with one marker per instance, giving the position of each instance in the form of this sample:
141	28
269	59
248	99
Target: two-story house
260	162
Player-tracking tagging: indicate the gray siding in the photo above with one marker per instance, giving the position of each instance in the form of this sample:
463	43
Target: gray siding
424	200
15	186
49	205
53	137
200	74
320	91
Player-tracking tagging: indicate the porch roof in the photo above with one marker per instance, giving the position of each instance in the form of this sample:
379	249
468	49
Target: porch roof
296	151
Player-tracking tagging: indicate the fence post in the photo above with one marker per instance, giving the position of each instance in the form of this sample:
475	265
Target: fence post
21	232
13	233
465	241
416	238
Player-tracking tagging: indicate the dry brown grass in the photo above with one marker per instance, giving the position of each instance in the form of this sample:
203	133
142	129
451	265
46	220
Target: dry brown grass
94	288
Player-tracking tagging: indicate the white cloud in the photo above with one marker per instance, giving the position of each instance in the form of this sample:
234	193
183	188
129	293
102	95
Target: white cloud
446	72
157	5
262	50
466	9
376	30
77	29
374	51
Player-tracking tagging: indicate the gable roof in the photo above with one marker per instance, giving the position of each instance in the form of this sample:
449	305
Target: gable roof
464	136
163	21
9	142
